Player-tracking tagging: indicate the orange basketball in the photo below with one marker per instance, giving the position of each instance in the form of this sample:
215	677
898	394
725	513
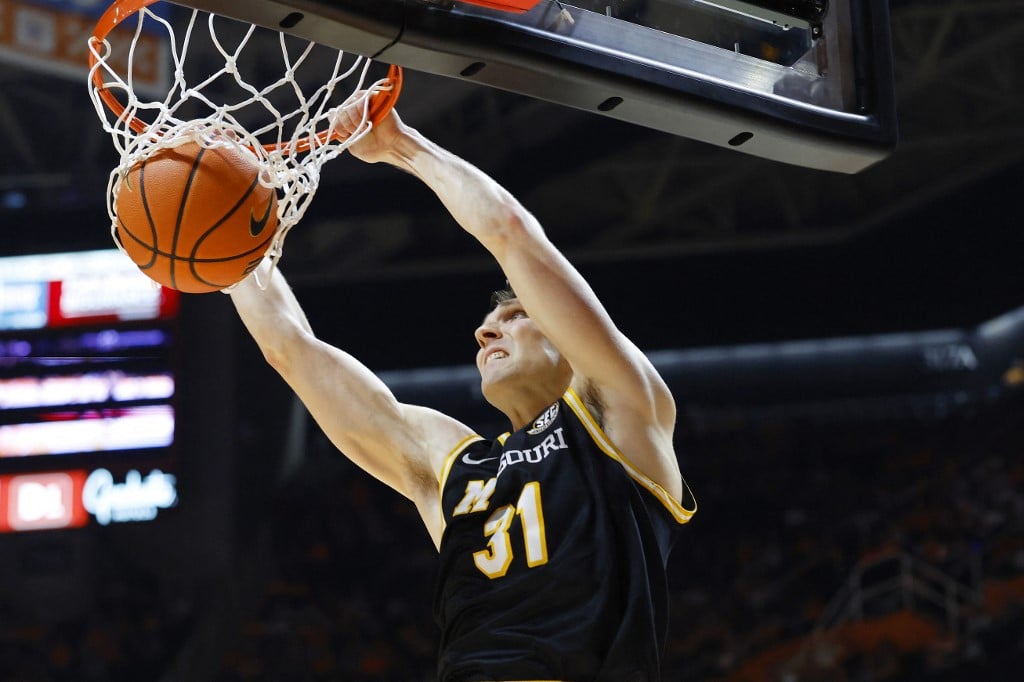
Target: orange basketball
196	219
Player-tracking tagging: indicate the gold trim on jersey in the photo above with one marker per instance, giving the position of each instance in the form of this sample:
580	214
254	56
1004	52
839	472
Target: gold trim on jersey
449	460
681	514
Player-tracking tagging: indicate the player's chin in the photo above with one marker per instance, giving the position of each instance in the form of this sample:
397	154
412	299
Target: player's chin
490	382
493	371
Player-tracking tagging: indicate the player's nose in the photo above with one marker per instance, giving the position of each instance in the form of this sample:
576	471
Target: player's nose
486	333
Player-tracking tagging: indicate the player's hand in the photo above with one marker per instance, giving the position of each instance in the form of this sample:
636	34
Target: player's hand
373	146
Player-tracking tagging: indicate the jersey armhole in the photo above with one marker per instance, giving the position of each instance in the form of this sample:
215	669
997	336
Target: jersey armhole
449	460
682	514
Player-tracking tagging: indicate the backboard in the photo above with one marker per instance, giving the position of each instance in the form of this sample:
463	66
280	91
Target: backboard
805	82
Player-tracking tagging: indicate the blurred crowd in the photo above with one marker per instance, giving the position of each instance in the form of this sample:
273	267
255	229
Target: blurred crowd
792	511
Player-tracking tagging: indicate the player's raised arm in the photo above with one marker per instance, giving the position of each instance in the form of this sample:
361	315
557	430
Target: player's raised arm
401	445
609	371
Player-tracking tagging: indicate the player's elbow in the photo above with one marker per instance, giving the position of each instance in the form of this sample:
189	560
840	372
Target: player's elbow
285	347
510	224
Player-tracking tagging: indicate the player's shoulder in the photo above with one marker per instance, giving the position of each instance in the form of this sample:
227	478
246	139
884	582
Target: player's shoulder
432	437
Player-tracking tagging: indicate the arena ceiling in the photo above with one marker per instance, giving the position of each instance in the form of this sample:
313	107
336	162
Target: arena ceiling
628	202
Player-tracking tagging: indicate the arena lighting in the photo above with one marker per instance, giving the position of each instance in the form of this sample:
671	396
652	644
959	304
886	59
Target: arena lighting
1007	325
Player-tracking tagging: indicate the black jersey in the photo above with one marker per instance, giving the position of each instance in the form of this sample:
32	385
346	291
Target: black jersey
552	561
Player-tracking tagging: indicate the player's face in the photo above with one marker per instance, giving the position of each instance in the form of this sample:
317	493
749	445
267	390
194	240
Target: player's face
512	345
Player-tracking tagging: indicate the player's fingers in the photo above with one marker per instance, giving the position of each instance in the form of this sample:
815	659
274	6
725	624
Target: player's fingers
341	122
347	118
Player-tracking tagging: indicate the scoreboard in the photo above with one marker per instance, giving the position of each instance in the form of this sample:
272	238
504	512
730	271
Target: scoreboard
88	387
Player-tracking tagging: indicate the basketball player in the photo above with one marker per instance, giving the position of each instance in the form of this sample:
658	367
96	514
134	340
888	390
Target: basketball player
553	537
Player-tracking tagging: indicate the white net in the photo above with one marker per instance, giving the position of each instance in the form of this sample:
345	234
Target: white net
275	103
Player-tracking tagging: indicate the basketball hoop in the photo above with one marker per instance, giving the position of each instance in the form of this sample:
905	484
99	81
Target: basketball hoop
287	128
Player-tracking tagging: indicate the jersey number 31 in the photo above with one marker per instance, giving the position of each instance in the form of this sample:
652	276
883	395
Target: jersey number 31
495	560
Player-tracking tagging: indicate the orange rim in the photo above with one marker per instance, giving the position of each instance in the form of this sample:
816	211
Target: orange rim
119	10
380	106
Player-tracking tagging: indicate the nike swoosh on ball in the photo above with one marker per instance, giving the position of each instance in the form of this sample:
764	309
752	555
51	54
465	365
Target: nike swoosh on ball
257	226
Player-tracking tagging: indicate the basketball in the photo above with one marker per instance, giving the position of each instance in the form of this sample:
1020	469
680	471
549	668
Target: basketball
196	219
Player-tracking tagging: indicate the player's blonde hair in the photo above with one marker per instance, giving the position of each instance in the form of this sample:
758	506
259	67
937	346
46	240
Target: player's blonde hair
502	295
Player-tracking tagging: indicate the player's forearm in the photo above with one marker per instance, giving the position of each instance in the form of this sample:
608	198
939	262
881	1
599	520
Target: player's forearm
272	315
479	204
